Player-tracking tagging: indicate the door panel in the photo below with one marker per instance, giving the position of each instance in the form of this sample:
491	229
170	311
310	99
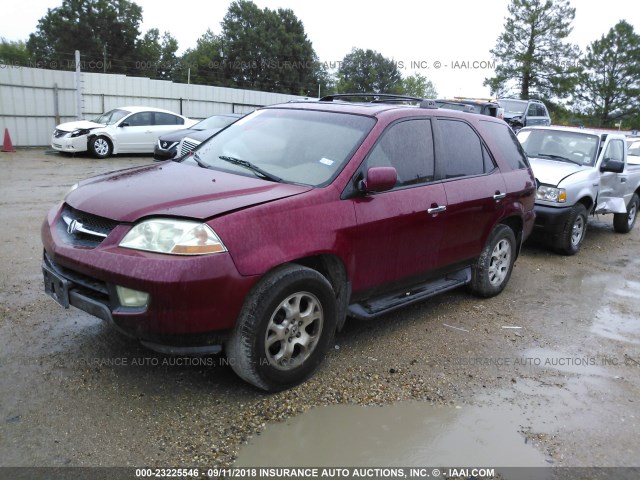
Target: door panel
613	186
136	134
474	188
471	211
396	237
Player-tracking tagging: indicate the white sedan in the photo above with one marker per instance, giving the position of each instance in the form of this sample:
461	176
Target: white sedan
123	130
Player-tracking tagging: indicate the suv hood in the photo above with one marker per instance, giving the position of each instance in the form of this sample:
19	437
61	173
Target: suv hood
173	189
177	135
202	135
551	172
71	126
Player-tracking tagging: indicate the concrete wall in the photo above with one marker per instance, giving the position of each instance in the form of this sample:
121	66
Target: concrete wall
34	100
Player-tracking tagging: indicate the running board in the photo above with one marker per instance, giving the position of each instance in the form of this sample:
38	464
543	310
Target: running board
379	305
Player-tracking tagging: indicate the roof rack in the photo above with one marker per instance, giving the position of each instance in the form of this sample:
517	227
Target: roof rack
381	98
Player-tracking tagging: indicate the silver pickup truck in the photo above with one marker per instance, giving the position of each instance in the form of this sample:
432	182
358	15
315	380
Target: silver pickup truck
579	172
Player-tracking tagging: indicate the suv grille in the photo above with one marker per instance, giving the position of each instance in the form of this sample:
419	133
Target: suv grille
83	229
188	145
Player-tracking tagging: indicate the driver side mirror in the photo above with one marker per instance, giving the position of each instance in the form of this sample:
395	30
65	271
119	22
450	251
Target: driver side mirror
124	124
615	166
379	179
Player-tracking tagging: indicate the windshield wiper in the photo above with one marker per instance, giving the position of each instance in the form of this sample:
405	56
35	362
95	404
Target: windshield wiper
196	158
557	157
252	167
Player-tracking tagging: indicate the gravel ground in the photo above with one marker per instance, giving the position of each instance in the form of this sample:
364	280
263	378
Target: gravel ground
73	392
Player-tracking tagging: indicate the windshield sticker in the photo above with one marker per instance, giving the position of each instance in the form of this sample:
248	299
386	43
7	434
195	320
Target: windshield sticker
326	161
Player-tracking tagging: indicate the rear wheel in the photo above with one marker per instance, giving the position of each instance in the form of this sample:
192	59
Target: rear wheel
284	329
493	268
575	229
624	222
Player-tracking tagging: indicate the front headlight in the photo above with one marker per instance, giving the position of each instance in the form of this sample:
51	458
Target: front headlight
176	237
79	131
166	145
551	194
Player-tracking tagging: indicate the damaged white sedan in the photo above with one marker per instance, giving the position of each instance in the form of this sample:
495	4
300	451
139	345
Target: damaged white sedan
122	130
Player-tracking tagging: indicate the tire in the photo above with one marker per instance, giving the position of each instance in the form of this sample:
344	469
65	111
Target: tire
100	147
624	222
575	229
267	348
492	270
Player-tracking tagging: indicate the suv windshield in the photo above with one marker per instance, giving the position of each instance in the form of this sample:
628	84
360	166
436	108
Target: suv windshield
513	106
111	116
293	146
217	121
579	148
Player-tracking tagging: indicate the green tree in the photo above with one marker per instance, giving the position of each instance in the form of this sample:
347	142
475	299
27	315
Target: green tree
13	53
94	27
532	50
367	71
267	50
156	57
608	87
204	64
418	85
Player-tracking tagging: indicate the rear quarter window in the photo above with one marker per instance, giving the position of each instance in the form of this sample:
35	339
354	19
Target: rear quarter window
503	138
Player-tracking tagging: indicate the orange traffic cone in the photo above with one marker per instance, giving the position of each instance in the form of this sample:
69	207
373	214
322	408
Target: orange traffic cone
7	146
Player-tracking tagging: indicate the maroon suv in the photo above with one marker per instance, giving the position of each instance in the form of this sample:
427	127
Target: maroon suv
271	233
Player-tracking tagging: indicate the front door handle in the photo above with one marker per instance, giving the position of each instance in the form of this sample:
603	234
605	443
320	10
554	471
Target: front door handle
499	196
437	209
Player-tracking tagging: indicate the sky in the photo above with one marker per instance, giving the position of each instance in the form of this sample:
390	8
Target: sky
416	34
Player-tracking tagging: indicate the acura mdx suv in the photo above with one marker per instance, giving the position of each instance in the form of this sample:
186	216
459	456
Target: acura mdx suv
264	239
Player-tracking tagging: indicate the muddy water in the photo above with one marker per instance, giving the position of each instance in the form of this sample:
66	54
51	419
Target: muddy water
403	434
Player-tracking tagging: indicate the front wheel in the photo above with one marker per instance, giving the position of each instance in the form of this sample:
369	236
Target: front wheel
285	328
575	229
492	270
100	147
624	222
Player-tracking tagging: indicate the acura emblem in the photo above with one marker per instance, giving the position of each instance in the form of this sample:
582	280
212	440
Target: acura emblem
72	227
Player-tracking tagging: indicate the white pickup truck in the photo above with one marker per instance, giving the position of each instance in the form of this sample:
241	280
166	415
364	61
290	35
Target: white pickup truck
579	172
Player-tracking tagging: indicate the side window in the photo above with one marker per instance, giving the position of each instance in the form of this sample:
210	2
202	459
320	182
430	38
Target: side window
462	150
488	161
140	119
541	111
615	151
506	142
167	119
408	147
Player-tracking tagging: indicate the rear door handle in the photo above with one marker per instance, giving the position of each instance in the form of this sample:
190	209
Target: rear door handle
437	209
499	196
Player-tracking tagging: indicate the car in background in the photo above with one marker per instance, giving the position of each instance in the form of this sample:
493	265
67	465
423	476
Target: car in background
481	106
524	113
121	130
166	148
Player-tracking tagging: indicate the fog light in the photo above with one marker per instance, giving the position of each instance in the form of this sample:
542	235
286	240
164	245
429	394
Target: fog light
132	298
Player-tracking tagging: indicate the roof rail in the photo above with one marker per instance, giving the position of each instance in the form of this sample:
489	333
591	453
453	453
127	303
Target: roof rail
376	97
382	98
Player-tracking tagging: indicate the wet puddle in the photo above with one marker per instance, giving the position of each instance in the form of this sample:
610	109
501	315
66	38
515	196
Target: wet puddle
403	434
